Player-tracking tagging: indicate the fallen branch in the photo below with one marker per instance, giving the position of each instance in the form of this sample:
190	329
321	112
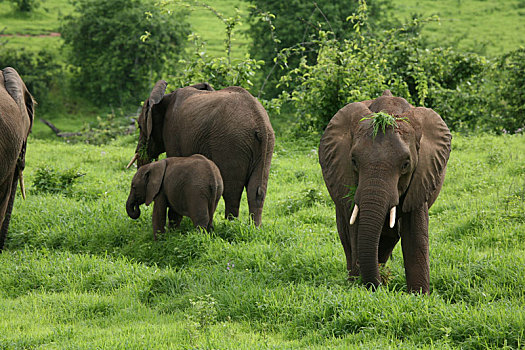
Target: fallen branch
57	130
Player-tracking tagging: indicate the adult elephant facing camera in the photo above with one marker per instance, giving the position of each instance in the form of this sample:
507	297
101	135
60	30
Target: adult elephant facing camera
228	126
16	119
399	170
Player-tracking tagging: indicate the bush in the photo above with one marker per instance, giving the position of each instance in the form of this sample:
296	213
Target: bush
505	89
362	67
26	5
111	64
39	70
49	180
277	24
220	72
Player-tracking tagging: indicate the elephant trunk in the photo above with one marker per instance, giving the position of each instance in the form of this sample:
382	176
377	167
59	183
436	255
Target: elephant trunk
374	205
132	208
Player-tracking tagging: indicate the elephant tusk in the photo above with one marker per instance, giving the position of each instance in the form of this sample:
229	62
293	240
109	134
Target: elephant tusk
354	215
392	217
22	187
135	157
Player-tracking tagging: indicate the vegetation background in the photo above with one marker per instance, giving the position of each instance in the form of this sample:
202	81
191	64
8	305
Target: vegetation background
78	273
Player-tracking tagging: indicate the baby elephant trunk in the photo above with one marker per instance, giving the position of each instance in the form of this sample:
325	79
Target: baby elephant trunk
133	208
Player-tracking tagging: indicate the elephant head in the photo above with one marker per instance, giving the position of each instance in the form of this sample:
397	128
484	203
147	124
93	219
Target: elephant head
151	119
400	168
145	186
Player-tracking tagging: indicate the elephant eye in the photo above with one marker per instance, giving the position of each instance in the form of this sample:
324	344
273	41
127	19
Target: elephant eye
405	165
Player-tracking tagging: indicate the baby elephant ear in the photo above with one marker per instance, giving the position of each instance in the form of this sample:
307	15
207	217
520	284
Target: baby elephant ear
433	156
154	177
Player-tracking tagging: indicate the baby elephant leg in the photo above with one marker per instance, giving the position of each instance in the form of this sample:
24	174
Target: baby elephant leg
199	214
159	215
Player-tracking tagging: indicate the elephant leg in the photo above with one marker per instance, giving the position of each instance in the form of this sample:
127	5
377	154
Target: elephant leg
211	210
414	241
199	213
232	198
345	233
387	242
8	189
174	218
159	215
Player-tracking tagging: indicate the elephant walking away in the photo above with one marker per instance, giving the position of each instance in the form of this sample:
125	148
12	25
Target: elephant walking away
390	158
228	126
188	186
16	120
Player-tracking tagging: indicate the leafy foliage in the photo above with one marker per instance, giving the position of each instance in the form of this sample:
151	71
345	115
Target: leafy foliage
505	90
220	72
111	64
50	180
276	25
39	70
461	87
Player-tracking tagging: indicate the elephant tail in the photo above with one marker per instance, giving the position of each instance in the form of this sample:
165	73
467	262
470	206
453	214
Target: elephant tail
266	139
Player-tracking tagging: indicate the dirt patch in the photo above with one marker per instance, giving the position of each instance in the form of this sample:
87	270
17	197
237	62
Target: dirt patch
48	35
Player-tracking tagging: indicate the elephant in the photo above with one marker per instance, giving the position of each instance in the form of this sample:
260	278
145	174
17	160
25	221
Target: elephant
188	186
16	120
400	169
228	126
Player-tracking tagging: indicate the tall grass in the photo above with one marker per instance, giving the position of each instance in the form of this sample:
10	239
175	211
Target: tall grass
78	273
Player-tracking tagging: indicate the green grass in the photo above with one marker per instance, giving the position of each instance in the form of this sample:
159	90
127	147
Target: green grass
488	27
43	20
78	273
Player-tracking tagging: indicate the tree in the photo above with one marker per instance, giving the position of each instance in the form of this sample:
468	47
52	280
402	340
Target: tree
111	64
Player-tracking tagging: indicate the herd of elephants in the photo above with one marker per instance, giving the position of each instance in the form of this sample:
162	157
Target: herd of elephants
219	142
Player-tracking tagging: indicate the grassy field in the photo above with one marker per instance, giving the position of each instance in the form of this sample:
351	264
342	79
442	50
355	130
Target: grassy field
78	273
487	27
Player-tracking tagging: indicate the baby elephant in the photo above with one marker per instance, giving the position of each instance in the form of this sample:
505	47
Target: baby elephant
188	186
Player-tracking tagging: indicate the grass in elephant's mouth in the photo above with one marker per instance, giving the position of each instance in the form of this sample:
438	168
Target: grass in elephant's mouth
382	120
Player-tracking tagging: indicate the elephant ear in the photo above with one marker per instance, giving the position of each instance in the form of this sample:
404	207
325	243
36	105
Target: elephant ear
154	98
335	151
17	89
154	177
433	156
203	86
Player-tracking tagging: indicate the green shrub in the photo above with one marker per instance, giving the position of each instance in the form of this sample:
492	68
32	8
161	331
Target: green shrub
26	5
49	180
40	71
505	89
111	64
362	67
220	72
277	24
